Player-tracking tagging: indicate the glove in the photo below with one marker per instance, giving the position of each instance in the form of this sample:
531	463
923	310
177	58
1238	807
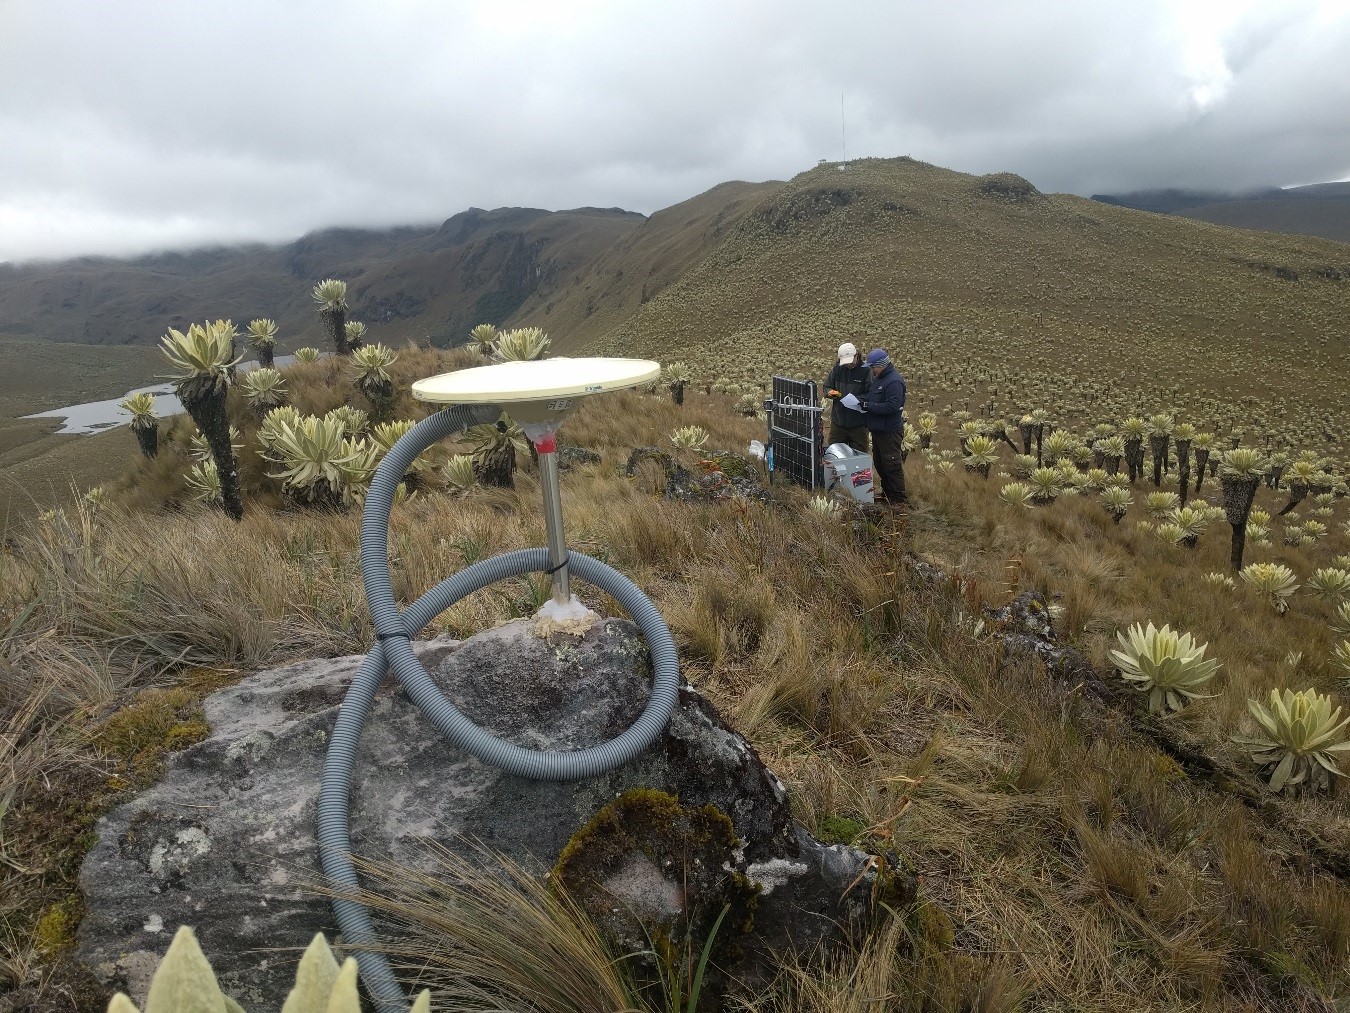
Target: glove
833	393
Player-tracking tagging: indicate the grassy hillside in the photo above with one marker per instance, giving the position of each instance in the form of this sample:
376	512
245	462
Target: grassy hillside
984	287
642	265
429	283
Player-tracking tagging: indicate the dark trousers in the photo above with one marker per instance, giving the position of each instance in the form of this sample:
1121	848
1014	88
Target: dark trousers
854	436
889	465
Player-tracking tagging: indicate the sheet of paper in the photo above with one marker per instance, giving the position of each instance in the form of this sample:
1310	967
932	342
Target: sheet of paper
850	401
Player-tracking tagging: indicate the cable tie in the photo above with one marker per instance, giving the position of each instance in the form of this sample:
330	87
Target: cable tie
554	569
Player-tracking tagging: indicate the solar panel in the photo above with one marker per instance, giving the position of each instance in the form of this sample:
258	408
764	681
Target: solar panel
796	437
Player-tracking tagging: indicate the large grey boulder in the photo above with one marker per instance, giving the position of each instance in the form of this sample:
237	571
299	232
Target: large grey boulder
225	842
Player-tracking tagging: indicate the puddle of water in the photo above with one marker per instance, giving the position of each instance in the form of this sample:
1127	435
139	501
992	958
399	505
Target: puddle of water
99	416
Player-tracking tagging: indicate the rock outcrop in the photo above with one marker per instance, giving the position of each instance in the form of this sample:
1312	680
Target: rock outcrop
225	842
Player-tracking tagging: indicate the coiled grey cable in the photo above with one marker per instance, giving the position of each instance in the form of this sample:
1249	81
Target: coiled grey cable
393	652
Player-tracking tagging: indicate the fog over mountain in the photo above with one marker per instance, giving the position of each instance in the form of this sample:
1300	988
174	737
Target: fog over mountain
142	125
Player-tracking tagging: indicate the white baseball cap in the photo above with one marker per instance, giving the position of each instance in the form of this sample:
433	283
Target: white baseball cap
847	353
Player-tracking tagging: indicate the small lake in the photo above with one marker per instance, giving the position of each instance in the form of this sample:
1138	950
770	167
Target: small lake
97	416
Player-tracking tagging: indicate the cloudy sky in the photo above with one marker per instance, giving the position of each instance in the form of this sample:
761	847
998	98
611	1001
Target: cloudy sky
148	124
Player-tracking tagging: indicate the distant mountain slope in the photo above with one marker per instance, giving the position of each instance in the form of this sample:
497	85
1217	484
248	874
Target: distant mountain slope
985	286
1322	209
643	264
426	282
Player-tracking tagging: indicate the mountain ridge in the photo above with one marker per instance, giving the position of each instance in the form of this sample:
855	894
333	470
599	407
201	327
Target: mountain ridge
1317	209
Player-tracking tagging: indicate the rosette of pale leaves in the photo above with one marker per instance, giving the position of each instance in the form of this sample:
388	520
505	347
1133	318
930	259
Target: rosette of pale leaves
1017	494
1219	580
203	479
483	337
264	387
1170	532
1022	465
185	983
331	294
1340	622
352	420
372	363
1341	655
522	344
824	507
1294	535
492	438
1169	666
307	354
1047	484
689	437
981	452
141	408
205	354
320	463
751	404
1160	505
355	332
1300	735
1192	520
1330	583
277	420
1244	462
384	435
1100	431
1273	581
459	474
1059	445
262	332
926	423
1117	500
1096	477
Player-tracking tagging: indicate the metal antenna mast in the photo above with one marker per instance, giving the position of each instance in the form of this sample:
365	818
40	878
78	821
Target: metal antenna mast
843	131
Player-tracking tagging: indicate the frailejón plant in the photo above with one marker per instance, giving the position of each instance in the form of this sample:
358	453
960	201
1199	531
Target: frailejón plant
1169	666
1273	581
185	983
1300	735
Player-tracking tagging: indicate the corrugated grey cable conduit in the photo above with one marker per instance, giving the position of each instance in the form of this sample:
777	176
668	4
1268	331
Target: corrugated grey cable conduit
392	651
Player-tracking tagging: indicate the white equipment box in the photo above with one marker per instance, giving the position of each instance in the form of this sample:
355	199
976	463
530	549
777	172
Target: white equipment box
848	472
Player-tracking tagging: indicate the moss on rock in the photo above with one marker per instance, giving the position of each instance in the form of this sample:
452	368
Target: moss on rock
656	875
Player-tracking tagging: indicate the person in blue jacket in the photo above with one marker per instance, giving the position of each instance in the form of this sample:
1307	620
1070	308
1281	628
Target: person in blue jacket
884	408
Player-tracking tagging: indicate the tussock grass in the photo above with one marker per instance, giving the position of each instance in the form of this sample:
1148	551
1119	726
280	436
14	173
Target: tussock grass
486	934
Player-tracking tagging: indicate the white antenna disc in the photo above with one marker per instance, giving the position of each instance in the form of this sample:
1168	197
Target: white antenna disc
537	387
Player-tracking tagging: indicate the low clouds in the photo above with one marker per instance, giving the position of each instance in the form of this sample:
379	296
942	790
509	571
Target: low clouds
142	125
